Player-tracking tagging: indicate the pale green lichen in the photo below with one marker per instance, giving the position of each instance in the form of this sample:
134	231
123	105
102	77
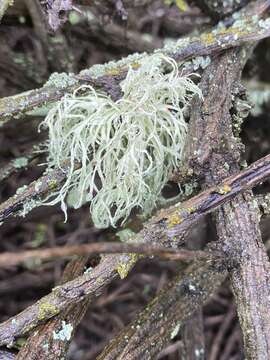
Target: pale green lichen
127	149
125	235
61	80
259	97
20	162
88	270
28	206
264	24
21	189
4	4
65	333
265	204
175	331
201	62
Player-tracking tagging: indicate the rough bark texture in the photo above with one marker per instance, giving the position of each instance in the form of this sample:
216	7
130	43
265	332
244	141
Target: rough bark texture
239	233
237	222
42	345
167	313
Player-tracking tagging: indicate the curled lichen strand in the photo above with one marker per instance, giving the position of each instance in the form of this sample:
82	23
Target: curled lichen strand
127	149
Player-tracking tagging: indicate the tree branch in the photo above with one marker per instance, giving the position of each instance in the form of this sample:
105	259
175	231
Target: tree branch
177	217
155	326
44	343
8	259
237	222
206	44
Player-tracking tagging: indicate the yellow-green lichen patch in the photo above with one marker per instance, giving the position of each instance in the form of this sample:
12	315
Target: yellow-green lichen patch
47	310
126	264
182	5
222	190
113	71
52	184
208	38
175	219
135	65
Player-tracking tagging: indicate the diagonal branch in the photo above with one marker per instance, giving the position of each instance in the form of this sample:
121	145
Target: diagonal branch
45	343
156	231
73	292
106	76
175	219
155	326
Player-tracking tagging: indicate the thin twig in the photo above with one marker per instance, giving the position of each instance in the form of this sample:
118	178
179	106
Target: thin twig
163	318
19	163
70	293
8	259
206	44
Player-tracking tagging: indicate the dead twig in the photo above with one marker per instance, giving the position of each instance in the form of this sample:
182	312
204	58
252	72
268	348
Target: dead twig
166	313
20	163
8	259
73	292
178	217
206	44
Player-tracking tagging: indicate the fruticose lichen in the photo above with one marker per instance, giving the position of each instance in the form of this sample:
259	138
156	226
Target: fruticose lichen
127	148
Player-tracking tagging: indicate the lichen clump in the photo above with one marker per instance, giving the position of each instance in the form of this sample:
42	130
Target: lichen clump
126	149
